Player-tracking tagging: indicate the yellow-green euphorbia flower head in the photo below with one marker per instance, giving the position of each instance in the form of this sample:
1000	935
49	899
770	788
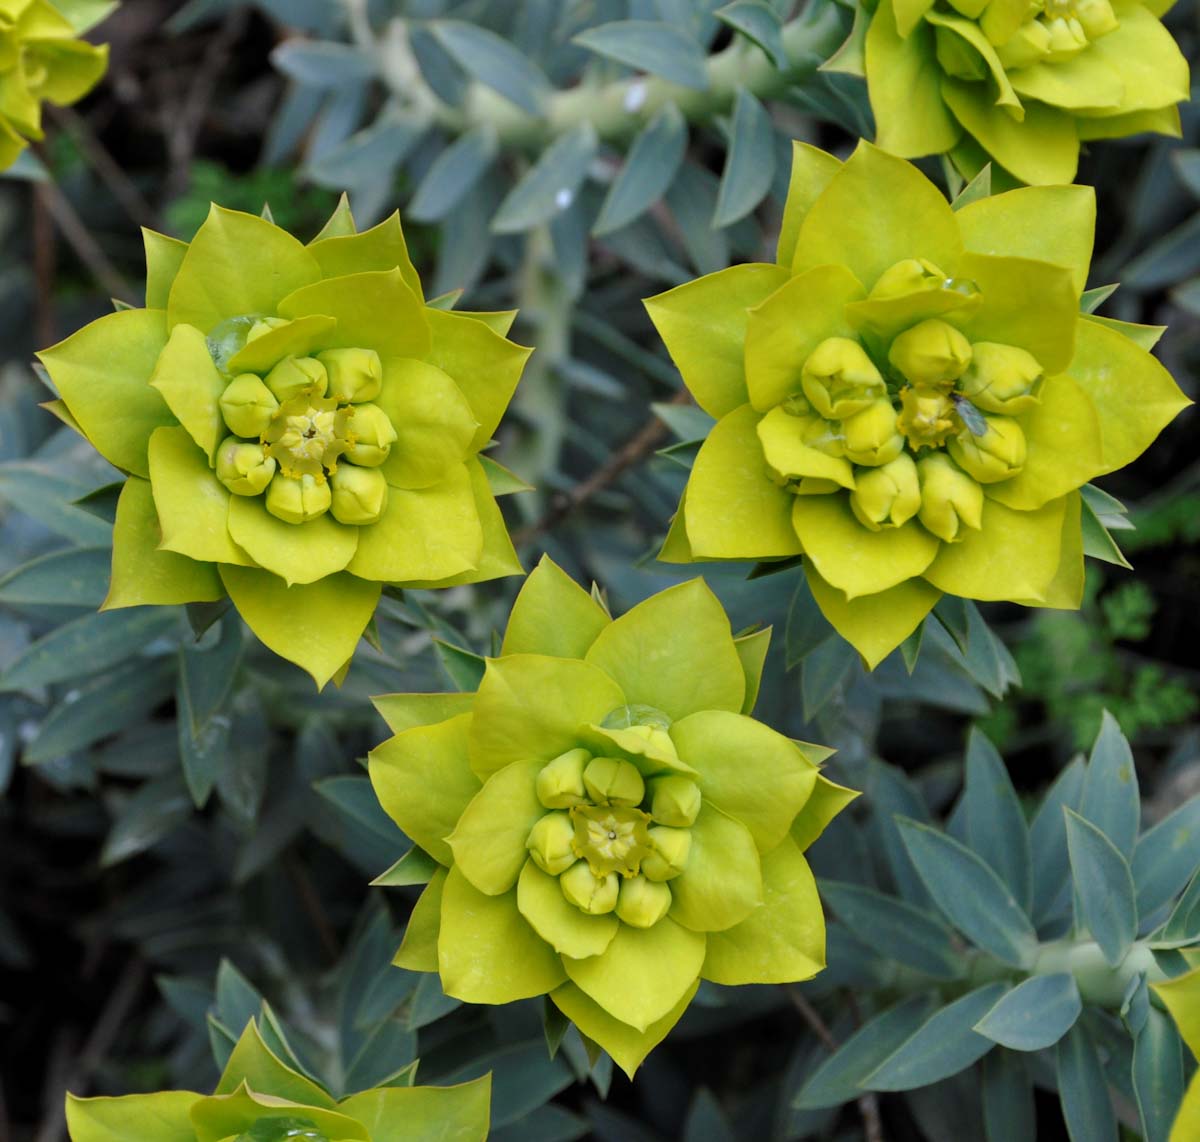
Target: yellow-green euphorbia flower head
298	427
910	398
611	823
42	58
259	1098
1022	81
1181	996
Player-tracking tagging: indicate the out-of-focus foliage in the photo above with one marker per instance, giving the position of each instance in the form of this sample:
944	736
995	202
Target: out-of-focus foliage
187	832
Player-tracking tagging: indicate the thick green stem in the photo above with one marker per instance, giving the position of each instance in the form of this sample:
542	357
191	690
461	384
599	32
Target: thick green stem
616	109
1099	982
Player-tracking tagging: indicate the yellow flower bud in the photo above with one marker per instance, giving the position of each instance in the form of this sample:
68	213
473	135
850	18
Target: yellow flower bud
996	455
559	784
243	467
592	894
1030	45
674	800
360	495
1097	17
669	852
912	275
642	903
1067	38
354	374
298	500
297	376
887	496
927	417
950	499
613	781
373	435
549	843
931	353
972	9
247	405
871	436
840	379
1001	378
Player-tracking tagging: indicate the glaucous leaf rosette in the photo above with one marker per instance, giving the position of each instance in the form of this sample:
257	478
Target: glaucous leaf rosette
609	823
1181	996
259	1098
43	59
298	427
1022	81
910	397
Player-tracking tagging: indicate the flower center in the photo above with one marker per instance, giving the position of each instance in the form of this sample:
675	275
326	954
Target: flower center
910	418
613	838
307	435
303	430
610	838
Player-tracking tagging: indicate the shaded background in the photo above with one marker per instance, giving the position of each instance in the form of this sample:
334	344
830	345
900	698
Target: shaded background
136	929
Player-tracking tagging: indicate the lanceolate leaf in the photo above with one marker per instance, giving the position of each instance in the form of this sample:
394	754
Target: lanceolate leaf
1083	1090
75	577
1166	857
650	45
1157	1075
995	824
453	173
1048	840
839	1079
1110	789
944	1045
758	22
650	167
1103	888
971	896
896	930
550	185
494	62
87	645
750	163
1035	1014
1008	1110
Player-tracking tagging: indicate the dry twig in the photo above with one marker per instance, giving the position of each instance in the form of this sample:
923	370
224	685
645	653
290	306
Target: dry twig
868	1104
640	445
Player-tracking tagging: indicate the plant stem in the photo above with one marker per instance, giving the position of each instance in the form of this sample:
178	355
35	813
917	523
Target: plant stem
1099	982
616	109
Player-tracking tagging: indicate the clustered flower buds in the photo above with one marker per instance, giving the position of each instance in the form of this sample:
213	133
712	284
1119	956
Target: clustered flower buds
611	825
918	401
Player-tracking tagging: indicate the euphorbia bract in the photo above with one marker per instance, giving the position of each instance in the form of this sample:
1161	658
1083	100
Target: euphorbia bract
260	1098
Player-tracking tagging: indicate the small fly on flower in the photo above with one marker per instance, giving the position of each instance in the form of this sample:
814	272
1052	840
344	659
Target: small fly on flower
971	416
